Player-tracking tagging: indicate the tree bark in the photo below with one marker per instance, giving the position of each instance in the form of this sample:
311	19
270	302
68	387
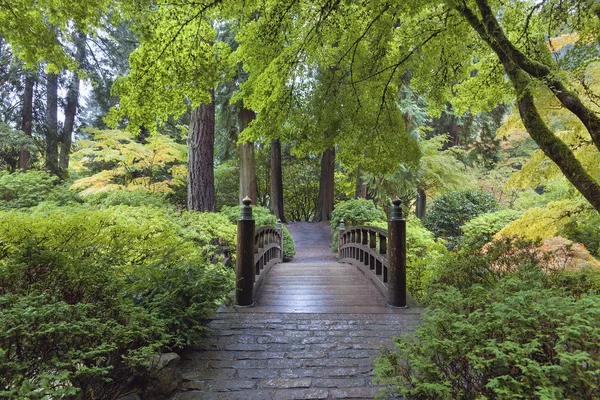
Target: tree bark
201	150
71	107
27	116
247	165
276	180
421	203
52	123
325	202
362	189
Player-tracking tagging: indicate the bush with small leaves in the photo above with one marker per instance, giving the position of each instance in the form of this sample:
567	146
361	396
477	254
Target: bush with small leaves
517	339
354	213
449	211
481	229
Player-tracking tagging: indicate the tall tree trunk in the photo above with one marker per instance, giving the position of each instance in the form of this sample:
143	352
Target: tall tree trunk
362	189
201	151
52	123
276	180
27	116
71	107
247	165
325	202
421	203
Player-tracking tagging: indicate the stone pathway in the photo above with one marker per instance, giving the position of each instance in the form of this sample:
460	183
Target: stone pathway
281	351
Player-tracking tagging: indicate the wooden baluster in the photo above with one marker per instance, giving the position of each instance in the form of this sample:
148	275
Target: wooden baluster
341	231
372	245
245	256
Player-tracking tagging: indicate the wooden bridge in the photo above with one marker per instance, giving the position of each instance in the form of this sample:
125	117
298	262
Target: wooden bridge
315	326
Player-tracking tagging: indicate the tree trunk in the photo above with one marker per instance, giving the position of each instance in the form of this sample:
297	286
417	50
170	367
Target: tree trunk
201	149
276	180
52	123
421	203
27	116
71	107
325	202
362	189
247	165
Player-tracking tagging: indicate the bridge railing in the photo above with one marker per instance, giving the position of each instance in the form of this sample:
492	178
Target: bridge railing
257	251
380	254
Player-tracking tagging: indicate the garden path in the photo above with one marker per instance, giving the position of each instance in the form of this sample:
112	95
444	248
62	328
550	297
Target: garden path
314	332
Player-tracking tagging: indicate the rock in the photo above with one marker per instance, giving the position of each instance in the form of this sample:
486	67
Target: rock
164	378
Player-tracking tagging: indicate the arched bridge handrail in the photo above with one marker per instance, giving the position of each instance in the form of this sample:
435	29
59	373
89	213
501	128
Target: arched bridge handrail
366	248
379	253
268	251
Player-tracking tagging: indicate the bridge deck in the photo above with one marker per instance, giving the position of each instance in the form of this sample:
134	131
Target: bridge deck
315	282
314	333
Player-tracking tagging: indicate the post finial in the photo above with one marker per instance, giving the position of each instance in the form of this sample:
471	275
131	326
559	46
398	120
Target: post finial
396	209
342	226
278	223
246	208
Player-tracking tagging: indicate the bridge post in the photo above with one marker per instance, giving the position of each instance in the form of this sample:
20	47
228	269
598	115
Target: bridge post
244	270
280	231
397	257
341	231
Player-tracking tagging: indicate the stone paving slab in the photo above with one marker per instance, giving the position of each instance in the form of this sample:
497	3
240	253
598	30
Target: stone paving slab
290	356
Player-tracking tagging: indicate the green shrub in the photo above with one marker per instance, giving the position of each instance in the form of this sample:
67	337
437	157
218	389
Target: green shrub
28	189
263	217
449	211
289	247
514	340
423	254
481	229
354	213
103	289
128	198
585	229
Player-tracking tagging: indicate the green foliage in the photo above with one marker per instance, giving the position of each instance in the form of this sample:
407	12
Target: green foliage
354	213
300	187
449	211
585	230
289	247
227	183
11	143
542	223
28	189
123	197
114	160
516	339
482	228
87	295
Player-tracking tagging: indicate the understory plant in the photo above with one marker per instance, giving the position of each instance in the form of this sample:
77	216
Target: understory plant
354	213
88	295
501	322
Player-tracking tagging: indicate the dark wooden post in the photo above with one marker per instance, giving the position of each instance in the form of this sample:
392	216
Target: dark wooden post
280	232
245	256
341	231
397	257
